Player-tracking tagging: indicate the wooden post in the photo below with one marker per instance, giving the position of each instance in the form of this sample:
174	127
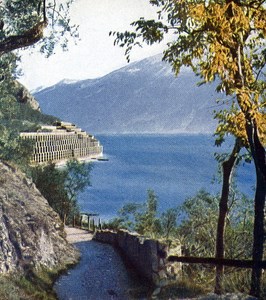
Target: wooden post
99	224
93	225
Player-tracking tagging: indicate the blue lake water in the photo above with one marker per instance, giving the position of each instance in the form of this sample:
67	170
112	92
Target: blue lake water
174	166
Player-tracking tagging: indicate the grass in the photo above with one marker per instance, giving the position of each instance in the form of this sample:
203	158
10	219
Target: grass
35	285
187	287
182	289
20	287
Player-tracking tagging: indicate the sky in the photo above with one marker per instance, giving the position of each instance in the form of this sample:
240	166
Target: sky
94	55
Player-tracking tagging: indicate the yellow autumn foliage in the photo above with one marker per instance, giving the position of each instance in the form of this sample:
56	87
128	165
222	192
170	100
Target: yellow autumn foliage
229	25
235	123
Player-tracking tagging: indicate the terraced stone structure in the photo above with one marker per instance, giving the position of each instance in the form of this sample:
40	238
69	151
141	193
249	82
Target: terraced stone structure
62	142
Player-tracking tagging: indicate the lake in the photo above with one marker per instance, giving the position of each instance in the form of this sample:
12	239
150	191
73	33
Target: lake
174	166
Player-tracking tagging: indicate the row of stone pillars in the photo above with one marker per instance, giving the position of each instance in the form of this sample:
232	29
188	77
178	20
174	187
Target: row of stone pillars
88	221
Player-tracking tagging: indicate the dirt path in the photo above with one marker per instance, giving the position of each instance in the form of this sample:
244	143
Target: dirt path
100	274
76	235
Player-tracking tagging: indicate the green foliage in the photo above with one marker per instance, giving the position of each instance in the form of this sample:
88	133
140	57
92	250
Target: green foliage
13	148
31	119
50	182
78	177
222	40
198	228
23	22
147	222
14	118
196	233
144	218
9	68
60	186
33	285
169	222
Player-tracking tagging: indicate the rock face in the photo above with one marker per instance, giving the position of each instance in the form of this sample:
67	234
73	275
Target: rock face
24	96
31	233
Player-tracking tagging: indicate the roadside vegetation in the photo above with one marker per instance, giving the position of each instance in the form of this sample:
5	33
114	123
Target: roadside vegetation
193	226
222	40
33	285
21	25
61	186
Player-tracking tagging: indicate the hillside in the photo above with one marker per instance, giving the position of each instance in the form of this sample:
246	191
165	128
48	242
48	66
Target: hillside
33	244
31	232
143	97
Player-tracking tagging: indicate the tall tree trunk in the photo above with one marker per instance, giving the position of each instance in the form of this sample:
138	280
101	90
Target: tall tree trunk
258	154
227	167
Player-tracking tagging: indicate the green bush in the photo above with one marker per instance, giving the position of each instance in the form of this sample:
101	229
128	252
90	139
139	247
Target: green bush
196	232
60	186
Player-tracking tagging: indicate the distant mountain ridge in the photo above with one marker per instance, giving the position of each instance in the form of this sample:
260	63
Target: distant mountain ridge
143	97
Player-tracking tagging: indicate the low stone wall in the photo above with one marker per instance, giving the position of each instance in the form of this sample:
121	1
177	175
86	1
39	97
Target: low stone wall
146	255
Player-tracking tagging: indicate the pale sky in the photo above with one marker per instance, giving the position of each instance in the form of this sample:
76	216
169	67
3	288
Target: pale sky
95	55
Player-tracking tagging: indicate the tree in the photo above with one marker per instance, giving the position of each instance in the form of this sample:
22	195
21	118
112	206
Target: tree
197	230
147	222
169	222
227	173
127	216
61	186
13	148
50	182
199	233
22	24
226	40
142	218
77	179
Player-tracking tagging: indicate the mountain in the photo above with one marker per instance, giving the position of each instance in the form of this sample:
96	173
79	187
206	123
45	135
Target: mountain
143	97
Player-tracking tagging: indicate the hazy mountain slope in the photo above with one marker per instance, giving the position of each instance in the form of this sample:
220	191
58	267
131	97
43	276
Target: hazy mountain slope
142	97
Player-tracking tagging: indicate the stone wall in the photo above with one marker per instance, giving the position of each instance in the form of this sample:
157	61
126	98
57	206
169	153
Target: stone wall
149	257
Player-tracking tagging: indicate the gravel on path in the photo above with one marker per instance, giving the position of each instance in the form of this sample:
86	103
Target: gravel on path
76	235
99	275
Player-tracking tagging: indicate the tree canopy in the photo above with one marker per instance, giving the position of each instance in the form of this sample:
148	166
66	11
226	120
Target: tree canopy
26	23
22	24
61	186
217	39
224	41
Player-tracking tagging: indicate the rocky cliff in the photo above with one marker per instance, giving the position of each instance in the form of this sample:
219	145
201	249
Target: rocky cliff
31	233
24	96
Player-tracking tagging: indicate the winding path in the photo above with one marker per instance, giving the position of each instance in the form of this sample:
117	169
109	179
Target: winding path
100	274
